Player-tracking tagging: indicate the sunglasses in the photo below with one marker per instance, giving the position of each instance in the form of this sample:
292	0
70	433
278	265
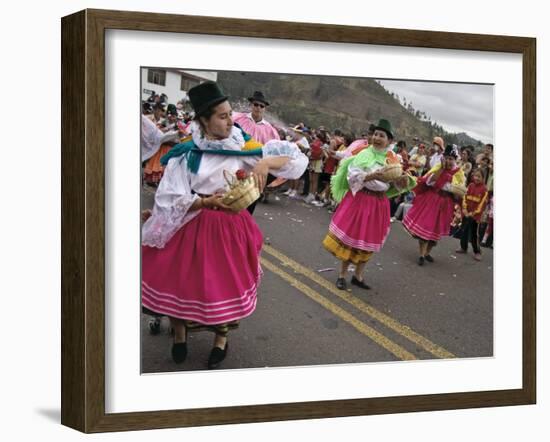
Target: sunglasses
258	105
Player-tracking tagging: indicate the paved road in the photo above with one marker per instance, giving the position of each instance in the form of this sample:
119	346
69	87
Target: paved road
440	310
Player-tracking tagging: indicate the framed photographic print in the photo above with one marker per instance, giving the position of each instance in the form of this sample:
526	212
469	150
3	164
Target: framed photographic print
367	264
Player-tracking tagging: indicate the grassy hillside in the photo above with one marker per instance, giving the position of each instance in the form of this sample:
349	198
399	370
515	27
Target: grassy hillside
349	104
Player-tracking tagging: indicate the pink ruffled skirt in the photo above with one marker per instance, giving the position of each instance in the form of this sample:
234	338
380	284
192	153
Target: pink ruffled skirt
208	272
430	216
362	221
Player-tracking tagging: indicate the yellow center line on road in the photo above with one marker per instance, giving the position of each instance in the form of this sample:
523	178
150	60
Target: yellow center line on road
384	319
377	337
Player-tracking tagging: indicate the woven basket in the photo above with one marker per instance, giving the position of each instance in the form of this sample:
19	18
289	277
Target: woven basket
391	172
241	193
458	191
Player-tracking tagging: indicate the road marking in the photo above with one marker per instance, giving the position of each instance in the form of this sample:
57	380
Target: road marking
389	322
377	337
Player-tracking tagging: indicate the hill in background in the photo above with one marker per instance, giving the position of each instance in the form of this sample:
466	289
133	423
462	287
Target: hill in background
349	104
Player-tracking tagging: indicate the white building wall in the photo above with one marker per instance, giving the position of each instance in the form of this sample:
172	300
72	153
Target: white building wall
205	75
173	84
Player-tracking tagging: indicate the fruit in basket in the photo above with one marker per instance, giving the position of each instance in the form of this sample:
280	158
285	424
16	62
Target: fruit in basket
242	192
241	174
392	170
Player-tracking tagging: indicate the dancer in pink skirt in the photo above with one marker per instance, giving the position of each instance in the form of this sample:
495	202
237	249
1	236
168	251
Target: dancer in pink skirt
200	261
362	221
433	207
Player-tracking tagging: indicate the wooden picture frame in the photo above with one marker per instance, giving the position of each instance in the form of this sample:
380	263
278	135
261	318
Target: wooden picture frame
83	220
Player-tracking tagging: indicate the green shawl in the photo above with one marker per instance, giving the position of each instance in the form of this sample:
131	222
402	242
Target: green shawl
364	159
193	154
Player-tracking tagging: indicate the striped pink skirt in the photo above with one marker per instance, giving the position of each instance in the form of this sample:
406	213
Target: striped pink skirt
208	272
430	216
362	221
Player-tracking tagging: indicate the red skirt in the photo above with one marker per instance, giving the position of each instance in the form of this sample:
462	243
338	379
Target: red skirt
362	221
430	216
208	272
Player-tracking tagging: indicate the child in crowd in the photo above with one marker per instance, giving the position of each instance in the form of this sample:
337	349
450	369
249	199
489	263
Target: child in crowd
456	223
473	204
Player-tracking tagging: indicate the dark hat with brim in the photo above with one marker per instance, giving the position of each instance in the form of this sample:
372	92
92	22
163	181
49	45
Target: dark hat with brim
450	151
385	125
172	110
258	96
204	96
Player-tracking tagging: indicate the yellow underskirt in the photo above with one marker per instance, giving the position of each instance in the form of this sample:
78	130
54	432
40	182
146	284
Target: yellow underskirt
344	252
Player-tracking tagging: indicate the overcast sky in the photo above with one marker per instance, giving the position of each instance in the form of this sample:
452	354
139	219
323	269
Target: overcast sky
457	107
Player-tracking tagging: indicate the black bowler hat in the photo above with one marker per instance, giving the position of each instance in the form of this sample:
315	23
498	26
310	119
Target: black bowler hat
451	151
385	125
205	95
172	110
258	96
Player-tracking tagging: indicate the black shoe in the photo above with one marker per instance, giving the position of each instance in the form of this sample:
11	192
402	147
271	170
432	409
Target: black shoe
358	283
217	355
421	261
179	352
429	258
341	284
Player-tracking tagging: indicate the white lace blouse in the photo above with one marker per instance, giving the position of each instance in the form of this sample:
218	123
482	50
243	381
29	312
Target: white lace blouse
152	138
179	187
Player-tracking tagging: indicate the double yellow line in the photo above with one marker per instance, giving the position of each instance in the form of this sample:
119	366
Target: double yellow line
362	306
